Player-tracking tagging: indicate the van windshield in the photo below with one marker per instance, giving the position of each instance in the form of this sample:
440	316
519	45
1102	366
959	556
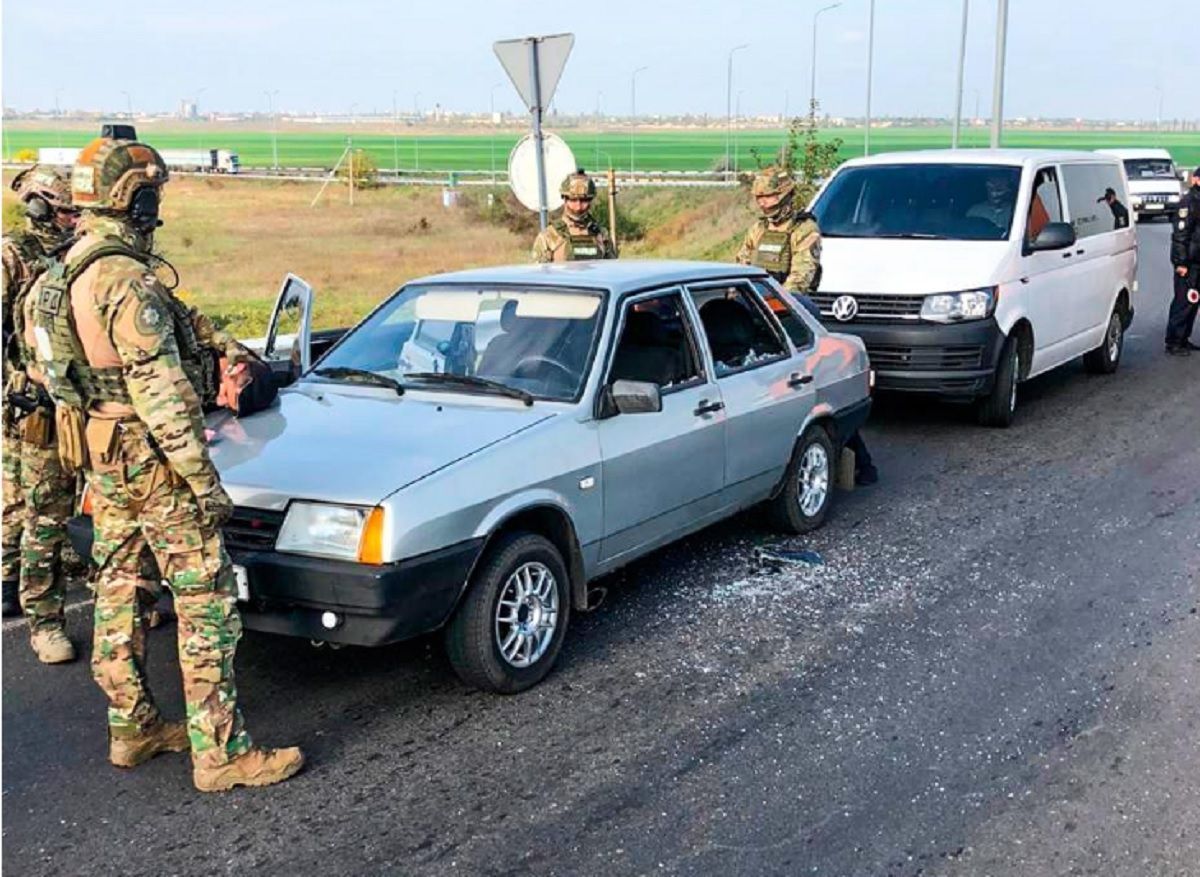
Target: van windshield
961	202
1149	169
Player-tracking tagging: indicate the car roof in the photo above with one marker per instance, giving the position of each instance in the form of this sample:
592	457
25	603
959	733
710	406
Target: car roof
1011	157
614	275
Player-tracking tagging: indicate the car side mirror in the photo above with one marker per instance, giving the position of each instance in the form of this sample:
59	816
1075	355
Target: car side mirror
636	397
1055	236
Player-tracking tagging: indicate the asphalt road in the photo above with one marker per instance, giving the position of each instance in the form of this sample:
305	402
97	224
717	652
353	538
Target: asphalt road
994	672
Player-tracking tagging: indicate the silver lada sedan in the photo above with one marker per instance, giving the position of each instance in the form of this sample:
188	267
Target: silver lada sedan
488	442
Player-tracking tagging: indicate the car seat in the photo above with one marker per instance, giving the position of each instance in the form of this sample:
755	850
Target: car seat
730	331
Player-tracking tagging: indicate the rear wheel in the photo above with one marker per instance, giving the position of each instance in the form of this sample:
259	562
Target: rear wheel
1105	358
506	634
808	485
998	407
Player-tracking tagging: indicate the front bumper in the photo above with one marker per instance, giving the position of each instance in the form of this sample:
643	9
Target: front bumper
1156	208
951	360
374	605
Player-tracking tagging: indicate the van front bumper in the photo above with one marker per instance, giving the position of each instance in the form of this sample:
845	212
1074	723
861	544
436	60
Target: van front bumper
367	605
951	360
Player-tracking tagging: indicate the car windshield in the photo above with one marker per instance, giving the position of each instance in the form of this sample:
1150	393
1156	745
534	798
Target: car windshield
533	342
922	201
1149	169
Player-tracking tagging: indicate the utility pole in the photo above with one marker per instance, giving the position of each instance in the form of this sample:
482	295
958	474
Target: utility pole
416	139
958	90
729	105
58	116
395	135
870	72
128	105
998	81
812	94
274	128
633	113
492	122
737	115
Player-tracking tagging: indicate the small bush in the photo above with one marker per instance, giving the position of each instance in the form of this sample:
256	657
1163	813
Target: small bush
25	156
366	169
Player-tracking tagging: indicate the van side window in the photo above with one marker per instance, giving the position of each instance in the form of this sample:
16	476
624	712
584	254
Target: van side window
1046	206
1093	198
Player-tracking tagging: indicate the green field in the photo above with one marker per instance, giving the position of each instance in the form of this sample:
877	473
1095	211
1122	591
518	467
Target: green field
653	150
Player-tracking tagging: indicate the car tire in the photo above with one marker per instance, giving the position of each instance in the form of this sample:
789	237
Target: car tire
808	485
1105	358
513	569
998	407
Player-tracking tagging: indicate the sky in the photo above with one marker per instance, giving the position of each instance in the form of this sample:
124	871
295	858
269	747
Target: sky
1066	58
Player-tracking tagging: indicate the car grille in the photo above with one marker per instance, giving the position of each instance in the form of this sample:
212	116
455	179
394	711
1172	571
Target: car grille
1159	198
252	529
872	306
886	357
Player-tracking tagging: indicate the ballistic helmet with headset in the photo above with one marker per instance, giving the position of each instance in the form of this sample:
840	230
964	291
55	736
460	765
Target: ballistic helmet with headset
42	190
120	176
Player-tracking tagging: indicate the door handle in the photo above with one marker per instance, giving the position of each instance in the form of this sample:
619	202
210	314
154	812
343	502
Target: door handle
1079	252
798	380
1066	255
706	407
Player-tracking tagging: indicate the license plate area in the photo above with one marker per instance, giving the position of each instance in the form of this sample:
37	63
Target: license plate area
243	582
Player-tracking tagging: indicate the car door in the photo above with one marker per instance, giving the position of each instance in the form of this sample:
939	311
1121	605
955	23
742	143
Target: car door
661	471
1047	277
1099	233
766	392
288	346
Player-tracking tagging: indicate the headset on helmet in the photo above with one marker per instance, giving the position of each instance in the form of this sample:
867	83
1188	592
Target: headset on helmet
43	190
109	174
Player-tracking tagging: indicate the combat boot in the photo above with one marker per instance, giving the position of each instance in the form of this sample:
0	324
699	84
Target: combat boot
52	646
12	598
258	767
158	738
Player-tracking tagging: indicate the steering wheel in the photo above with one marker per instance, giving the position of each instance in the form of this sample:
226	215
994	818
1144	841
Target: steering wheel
537	361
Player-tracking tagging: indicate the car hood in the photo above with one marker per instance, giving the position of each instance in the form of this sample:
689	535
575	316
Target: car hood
1154	187
908	267
354	445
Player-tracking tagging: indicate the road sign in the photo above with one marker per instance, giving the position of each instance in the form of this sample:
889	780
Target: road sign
516	59
558	161
535	64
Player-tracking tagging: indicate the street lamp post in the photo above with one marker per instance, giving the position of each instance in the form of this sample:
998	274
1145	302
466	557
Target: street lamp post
958	89
870	75
128	105
492	122
998	83
737	115
416	138
812	92
274	128
729	104
58	115
633	113
395	135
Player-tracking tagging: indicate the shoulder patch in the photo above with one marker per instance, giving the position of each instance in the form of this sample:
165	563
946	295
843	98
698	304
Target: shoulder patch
1183	212
150	317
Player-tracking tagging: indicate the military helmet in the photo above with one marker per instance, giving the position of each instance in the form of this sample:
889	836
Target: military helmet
773	181
108	173
578	185
45	182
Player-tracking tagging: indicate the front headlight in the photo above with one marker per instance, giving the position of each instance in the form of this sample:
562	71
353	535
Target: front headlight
951	307
340	532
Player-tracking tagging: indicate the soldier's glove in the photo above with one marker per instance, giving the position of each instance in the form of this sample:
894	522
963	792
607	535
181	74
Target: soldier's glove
215	507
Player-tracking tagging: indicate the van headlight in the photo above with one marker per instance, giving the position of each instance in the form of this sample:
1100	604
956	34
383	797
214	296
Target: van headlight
336	531
952	307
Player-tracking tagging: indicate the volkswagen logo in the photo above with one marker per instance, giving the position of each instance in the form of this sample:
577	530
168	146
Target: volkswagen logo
845	308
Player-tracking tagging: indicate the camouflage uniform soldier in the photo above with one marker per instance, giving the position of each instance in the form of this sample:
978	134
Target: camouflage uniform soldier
785	241
124	365
50	220
575	235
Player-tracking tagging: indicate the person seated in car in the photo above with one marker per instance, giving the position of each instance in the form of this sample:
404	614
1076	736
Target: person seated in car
997	207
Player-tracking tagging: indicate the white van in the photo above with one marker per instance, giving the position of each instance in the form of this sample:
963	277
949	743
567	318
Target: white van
966	272
1154	182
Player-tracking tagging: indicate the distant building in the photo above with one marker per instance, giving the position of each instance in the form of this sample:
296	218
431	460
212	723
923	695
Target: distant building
188	109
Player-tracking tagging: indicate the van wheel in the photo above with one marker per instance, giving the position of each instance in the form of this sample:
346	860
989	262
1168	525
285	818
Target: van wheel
998	407
507	632
1105	358
808	485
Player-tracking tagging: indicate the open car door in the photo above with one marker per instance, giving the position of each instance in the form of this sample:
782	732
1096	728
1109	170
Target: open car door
288	349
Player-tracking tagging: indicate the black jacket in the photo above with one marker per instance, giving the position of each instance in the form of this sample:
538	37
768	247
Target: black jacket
1185	233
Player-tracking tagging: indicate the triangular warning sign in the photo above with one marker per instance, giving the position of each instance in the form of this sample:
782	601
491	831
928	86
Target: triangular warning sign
552	52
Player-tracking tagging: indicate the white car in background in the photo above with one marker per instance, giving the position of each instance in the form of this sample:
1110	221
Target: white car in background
1154	181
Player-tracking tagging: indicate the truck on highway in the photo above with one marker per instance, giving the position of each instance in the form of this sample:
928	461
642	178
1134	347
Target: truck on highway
57	156
217	161
1154	185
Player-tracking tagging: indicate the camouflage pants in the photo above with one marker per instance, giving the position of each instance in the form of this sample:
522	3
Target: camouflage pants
136	504
14	504
49	500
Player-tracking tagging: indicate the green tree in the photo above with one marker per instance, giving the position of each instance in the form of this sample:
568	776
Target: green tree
366	169
807	156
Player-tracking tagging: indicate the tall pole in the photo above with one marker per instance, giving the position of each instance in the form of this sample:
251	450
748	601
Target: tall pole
58	116
416	139
535	88
128	104
1158	118
729	106
812	93
633	113
395	135
737	115
998	82
870	72
274	128
958	89
492	122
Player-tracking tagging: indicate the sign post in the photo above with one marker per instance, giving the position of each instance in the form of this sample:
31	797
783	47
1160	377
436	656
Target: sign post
535	64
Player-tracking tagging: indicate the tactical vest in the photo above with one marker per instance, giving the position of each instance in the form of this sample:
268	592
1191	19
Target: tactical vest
34	260
774	251
71	380
581	247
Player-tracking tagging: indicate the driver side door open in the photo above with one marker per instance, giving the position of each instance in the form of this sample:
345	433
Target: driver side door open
662	472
